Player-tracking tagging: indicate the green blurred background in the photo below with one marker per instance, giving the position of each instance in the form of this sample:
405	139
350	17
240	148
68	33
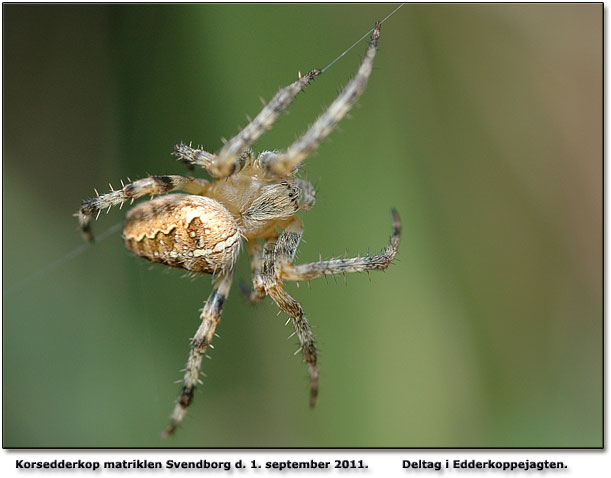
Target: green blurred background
481	124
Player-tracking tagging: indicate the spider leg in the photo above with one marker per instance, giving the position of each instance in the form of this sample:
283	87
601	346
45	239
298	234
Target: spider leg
308	194
257	294
284	251
227	160
288	271
278	265
193	156
277	201
211	314
198	157
151	185
283	164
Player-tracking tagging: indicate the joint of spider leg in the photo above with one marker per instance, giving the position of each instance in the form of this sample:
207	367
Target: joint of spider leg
87	207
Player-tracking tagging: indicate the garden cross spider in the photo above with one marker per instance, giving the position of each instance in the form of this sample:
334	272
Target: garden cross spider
202	231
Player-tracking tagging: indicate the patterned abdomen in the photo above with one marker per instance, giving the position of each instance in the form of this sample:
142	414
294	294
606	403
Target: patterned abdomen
195	233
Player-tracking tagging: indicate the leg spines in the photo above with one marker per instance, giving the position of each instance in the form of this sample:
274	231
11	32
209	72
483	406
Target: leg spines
211	315
277	265
285	163
153	185
229	159
191	157
275	254
225	163
332	267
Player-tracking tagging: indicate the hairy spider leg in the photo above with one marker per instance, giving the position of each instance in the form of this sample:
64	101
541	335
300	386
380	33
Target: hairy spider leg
270	206
211	314
308	194
302	272
283	164
283	250
191	157
257	294
227	160
152	185
278	265
255	249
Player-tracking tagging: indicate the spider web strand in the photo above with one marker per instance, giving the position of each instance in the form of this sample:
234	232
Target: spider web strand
360	39
60	261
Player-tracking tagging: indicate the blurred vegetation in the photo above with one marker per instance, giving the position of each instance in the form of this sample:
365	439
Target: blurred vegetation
482	125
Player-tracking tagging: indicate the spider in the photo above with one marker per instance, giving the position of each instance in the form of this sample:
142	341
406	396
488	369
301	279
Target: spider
251	200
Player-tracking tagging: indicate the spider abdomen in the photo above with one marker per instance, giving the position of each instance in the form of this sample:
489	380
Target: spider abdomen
195	233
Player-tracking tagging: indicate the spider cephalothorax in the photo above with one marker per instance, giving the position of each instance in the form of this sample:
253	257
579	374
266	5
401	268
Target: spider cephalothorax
202	231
